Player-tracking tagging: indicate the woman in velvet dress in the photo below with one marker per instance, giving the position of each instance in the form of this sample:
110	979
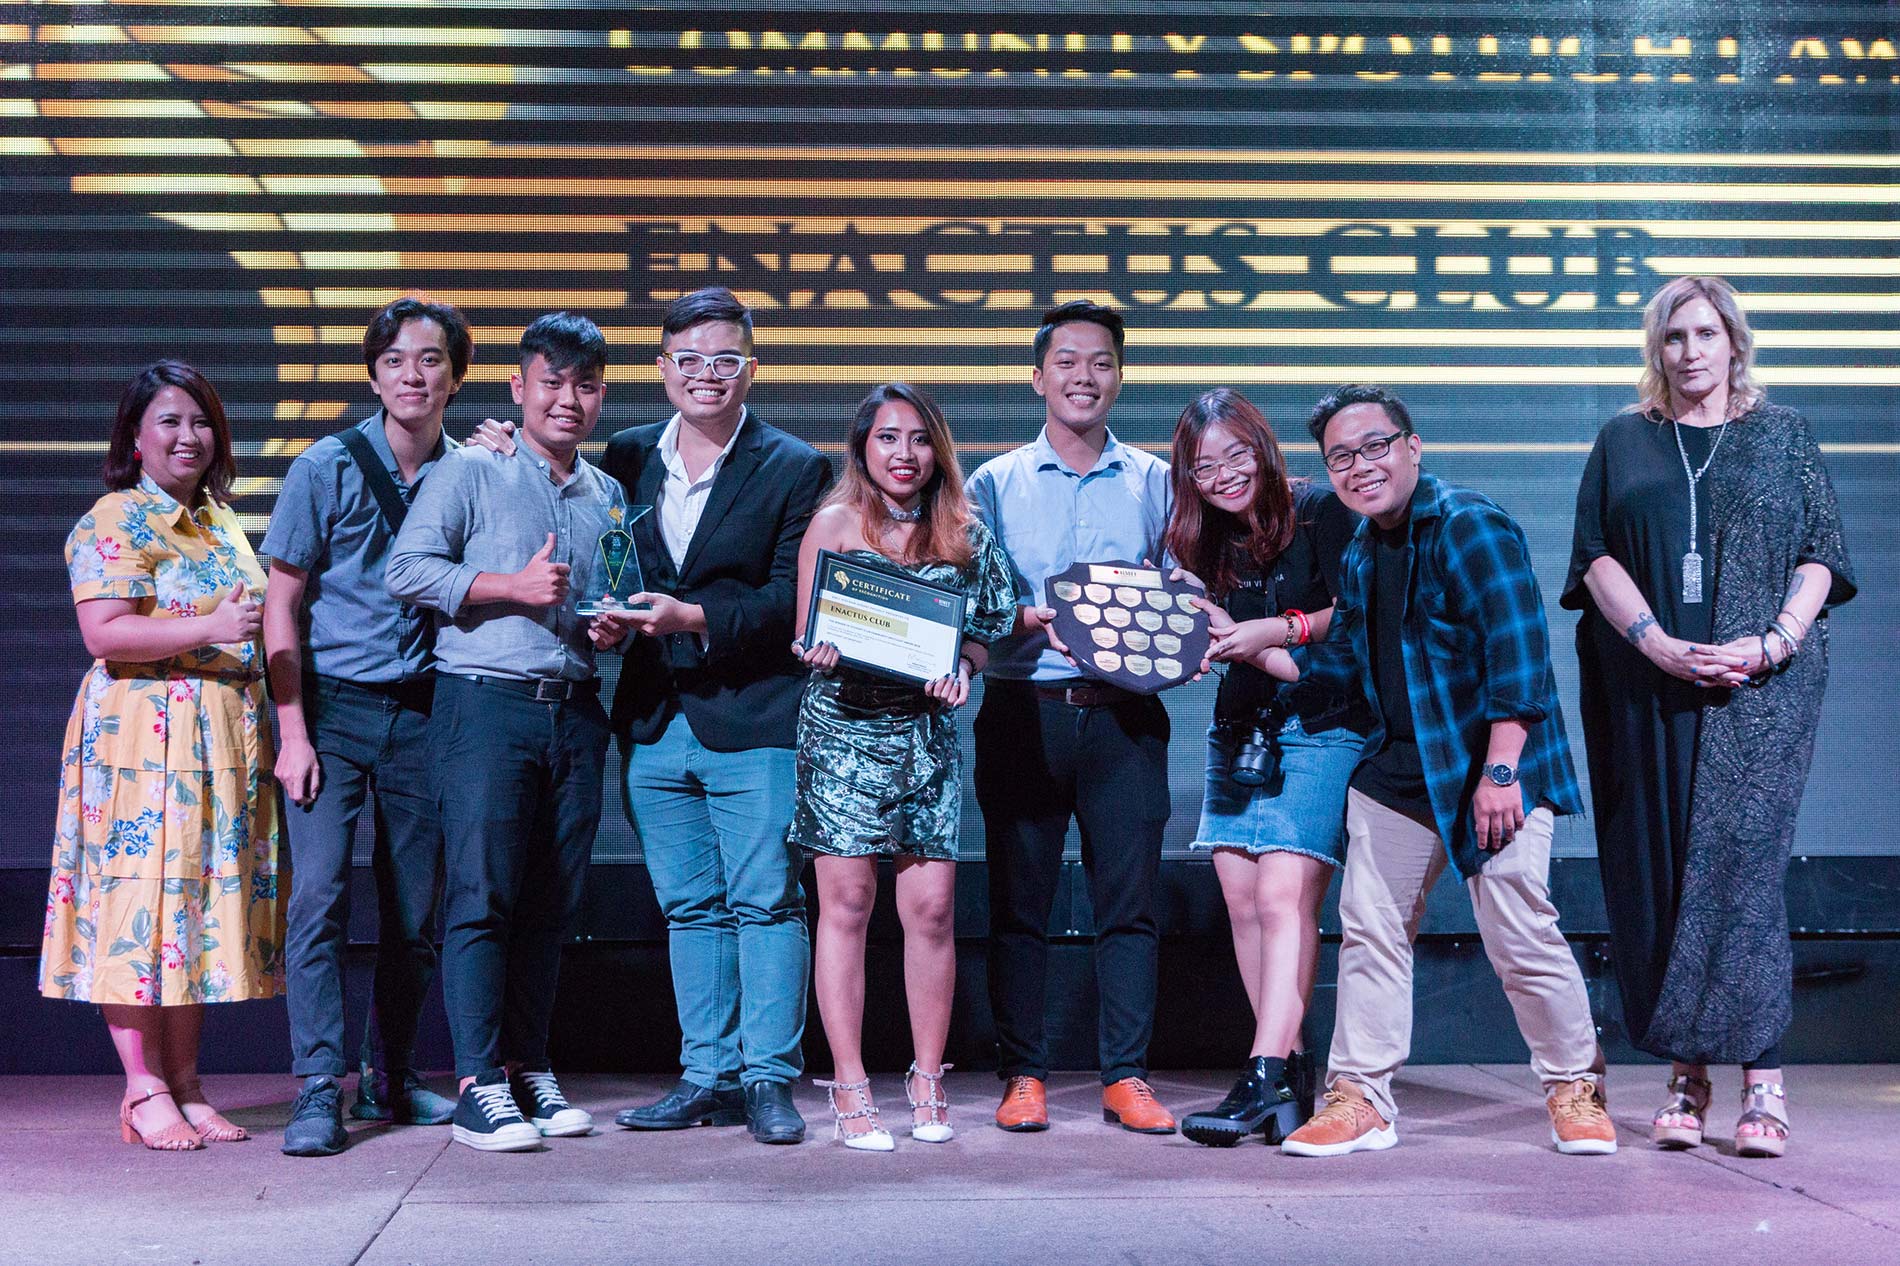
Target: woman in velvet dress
1707	554
879	770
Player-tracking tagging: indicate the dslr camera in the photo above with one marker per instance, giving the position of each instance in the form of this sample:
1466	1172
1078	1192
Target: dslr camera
1256	747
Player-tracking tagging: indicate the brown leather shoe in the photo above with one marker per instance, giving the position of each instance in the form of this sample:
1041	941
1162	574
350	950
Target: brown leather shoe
1025	1106
1130	1104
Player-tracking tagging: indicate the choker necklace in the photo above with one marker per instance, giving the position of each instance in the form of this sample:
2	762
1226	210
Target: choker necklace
904	516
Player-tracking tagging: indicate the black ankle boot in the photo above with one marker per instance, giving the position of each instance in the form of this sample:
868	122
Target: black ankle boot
1260	1103
1302	1077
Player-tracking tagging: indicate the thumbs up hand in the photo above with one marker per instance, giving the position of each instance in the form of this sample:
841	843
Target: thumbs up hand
238	618
541	583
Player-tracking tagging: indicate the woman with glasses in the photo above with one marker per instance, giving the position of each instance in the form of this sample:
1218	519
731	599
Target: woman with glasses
1279	752
1707	552
879	770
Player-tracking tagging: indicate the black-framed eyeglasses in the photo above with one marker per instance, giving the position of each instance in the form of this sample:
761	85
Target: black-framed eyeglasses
724	365
1205	473
1372	450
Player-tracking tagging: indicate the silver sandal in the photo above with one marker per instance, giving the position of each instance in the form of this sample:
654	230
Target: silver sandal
1764	1104
1689	1097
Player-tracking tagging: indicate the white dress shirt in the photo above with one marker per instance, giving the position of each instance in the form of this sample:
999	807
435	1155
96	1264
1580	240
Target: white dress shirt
682	498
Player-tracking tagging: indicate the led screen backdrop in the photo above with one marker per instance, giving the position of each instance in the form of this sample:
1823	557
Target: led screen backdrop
1469	203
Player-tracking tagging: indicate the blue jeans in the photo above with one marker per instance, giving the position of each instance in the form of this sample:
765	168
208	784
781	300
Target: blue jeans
713	826
373	747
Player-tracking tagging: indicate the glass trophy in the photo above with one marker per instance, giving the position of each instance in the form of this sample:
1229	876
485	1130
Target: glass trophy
615	575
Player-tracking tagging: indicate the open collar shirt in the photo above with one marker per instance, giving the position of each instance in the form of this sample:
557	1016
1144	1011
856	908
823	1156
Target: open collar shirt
1049	517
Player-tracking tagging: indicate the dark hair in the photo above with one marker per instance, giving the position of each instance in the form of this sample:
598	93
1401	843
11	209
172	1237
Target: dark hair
386	326
1207	539
1345	397
566	340
1079	310
123	469
714	303
943	534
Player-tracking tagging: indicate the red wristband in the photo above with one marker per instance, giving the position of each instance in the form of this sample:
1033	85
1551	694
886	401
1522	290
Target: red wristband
1306	626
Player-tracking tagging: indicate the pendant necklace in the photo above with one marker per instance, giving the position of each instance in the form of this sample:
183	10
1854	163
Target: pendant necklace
1692	561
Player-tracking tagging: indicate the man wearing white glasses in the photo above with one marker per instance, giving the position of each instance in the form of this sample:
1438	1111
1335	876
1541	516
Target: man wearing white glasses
707	710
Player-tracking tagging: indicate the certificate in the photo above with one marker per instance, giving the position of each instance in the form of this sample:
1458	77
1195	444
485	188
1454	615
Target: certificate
883	621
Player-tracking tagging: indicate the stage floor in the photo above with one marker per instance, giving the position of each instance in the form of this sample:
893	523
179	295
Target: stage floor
1474	1179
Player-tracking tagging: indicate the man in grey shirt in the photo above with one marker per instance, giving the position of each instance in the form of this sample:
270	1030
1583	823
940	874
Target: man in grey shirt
503	549
351	672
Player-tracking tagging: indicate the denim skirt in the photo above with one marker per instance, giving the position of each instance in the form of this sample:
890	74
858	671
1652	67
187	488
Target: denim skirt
1301	810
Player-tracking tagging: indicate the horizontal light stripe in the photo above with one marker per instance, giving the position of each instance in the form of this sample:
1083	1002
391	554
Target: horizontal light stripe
564	188
1532	233
1017	336
1192	375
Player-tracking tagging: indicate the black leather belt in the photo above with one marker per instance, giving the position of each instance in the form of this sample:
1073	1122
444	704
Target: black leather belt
541	689
1085	694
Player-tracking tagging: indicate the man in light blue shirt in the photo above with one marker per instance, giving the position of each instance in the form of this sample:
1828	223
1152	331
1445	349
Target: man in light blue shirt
1051	743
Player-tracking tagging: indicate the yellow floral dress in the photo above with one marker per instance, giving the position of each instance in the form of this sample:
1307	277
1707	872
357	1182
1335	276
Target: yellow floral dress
166	887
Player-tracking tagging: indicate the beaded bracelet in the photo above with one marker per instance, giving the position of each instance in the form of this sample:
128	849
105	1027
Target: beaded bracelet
1306	627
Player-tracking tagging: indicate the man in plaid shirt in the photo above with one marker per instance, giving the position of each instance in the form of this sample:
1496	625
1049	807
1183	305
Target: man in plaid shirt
1467	762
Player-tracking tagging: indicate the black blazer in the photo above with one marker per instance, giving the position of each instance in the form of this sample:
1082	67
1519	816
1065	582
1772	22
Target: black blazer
742	691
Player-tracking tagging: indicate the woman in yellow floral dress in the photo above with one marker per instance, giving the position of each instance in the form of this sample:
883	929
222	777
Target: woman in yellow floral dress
165	891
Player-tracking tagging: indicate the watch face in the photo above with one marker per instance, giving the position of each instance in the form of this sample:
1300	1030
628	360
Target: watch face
1502	775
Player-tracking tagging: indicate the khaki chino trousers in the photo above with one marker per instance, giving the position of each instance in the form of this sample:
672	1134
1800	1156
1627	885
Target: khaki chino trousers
1391	863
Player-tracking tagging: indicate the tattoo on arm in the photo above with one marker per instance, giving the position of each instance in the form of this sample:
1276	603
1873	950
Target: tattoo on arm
1794	587
1639	628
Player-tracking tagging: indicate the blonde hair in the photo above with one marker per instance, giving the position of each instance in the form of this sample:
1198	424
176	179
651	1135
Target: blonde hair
1652	389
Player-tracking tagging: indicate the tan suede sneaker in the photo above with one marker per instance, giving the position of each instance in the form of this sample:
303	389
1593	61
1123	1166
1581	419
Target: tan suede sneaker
1579	1119
1346	1123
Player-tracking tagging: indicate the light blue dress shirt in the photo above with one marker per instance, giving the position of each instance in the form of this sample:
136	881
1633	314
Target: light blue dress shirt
480	512
1050	517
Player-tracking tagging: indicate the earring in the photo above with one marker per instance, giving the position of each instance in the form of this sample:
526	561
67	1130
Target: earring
136	455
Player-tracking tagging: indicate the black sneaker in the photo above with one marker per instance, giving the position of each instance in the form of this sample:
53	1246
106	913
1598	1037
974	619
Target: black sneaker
488	1120
316	1122
400	1096
546	1108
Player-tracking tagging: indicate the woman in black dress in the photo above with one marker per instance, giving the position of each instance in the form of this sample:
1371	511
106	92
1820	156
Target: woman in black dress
1707	552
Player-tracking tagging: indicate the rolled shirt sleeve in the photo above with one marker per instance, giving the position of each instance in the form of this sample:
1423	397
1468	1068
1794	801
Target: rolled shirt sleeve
425	564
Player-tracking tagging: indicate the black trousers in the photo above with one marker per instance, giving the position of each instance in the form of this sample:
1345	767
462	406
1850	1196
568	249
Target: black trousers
372	744
520	785
1040	762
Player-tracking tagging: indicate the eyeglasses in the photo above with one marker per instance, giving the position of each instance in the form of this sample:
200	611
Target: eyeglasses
724	365
1205	473
1372	450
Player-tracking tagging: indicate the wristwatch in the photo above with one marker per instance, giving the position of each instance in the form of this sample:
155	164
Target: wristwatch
1501	774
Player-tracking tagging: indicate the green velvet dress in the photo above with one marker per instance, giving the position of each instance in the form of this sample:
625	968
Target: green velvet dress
879	768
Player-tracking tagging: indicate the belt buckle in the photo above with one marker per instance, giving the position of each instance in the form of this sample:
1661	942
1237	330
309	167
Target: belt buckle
552	690
1087	700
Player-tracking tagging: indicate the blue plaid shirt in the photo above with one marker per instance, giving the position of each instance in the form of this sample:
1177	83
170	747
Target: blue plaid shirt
1477	650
